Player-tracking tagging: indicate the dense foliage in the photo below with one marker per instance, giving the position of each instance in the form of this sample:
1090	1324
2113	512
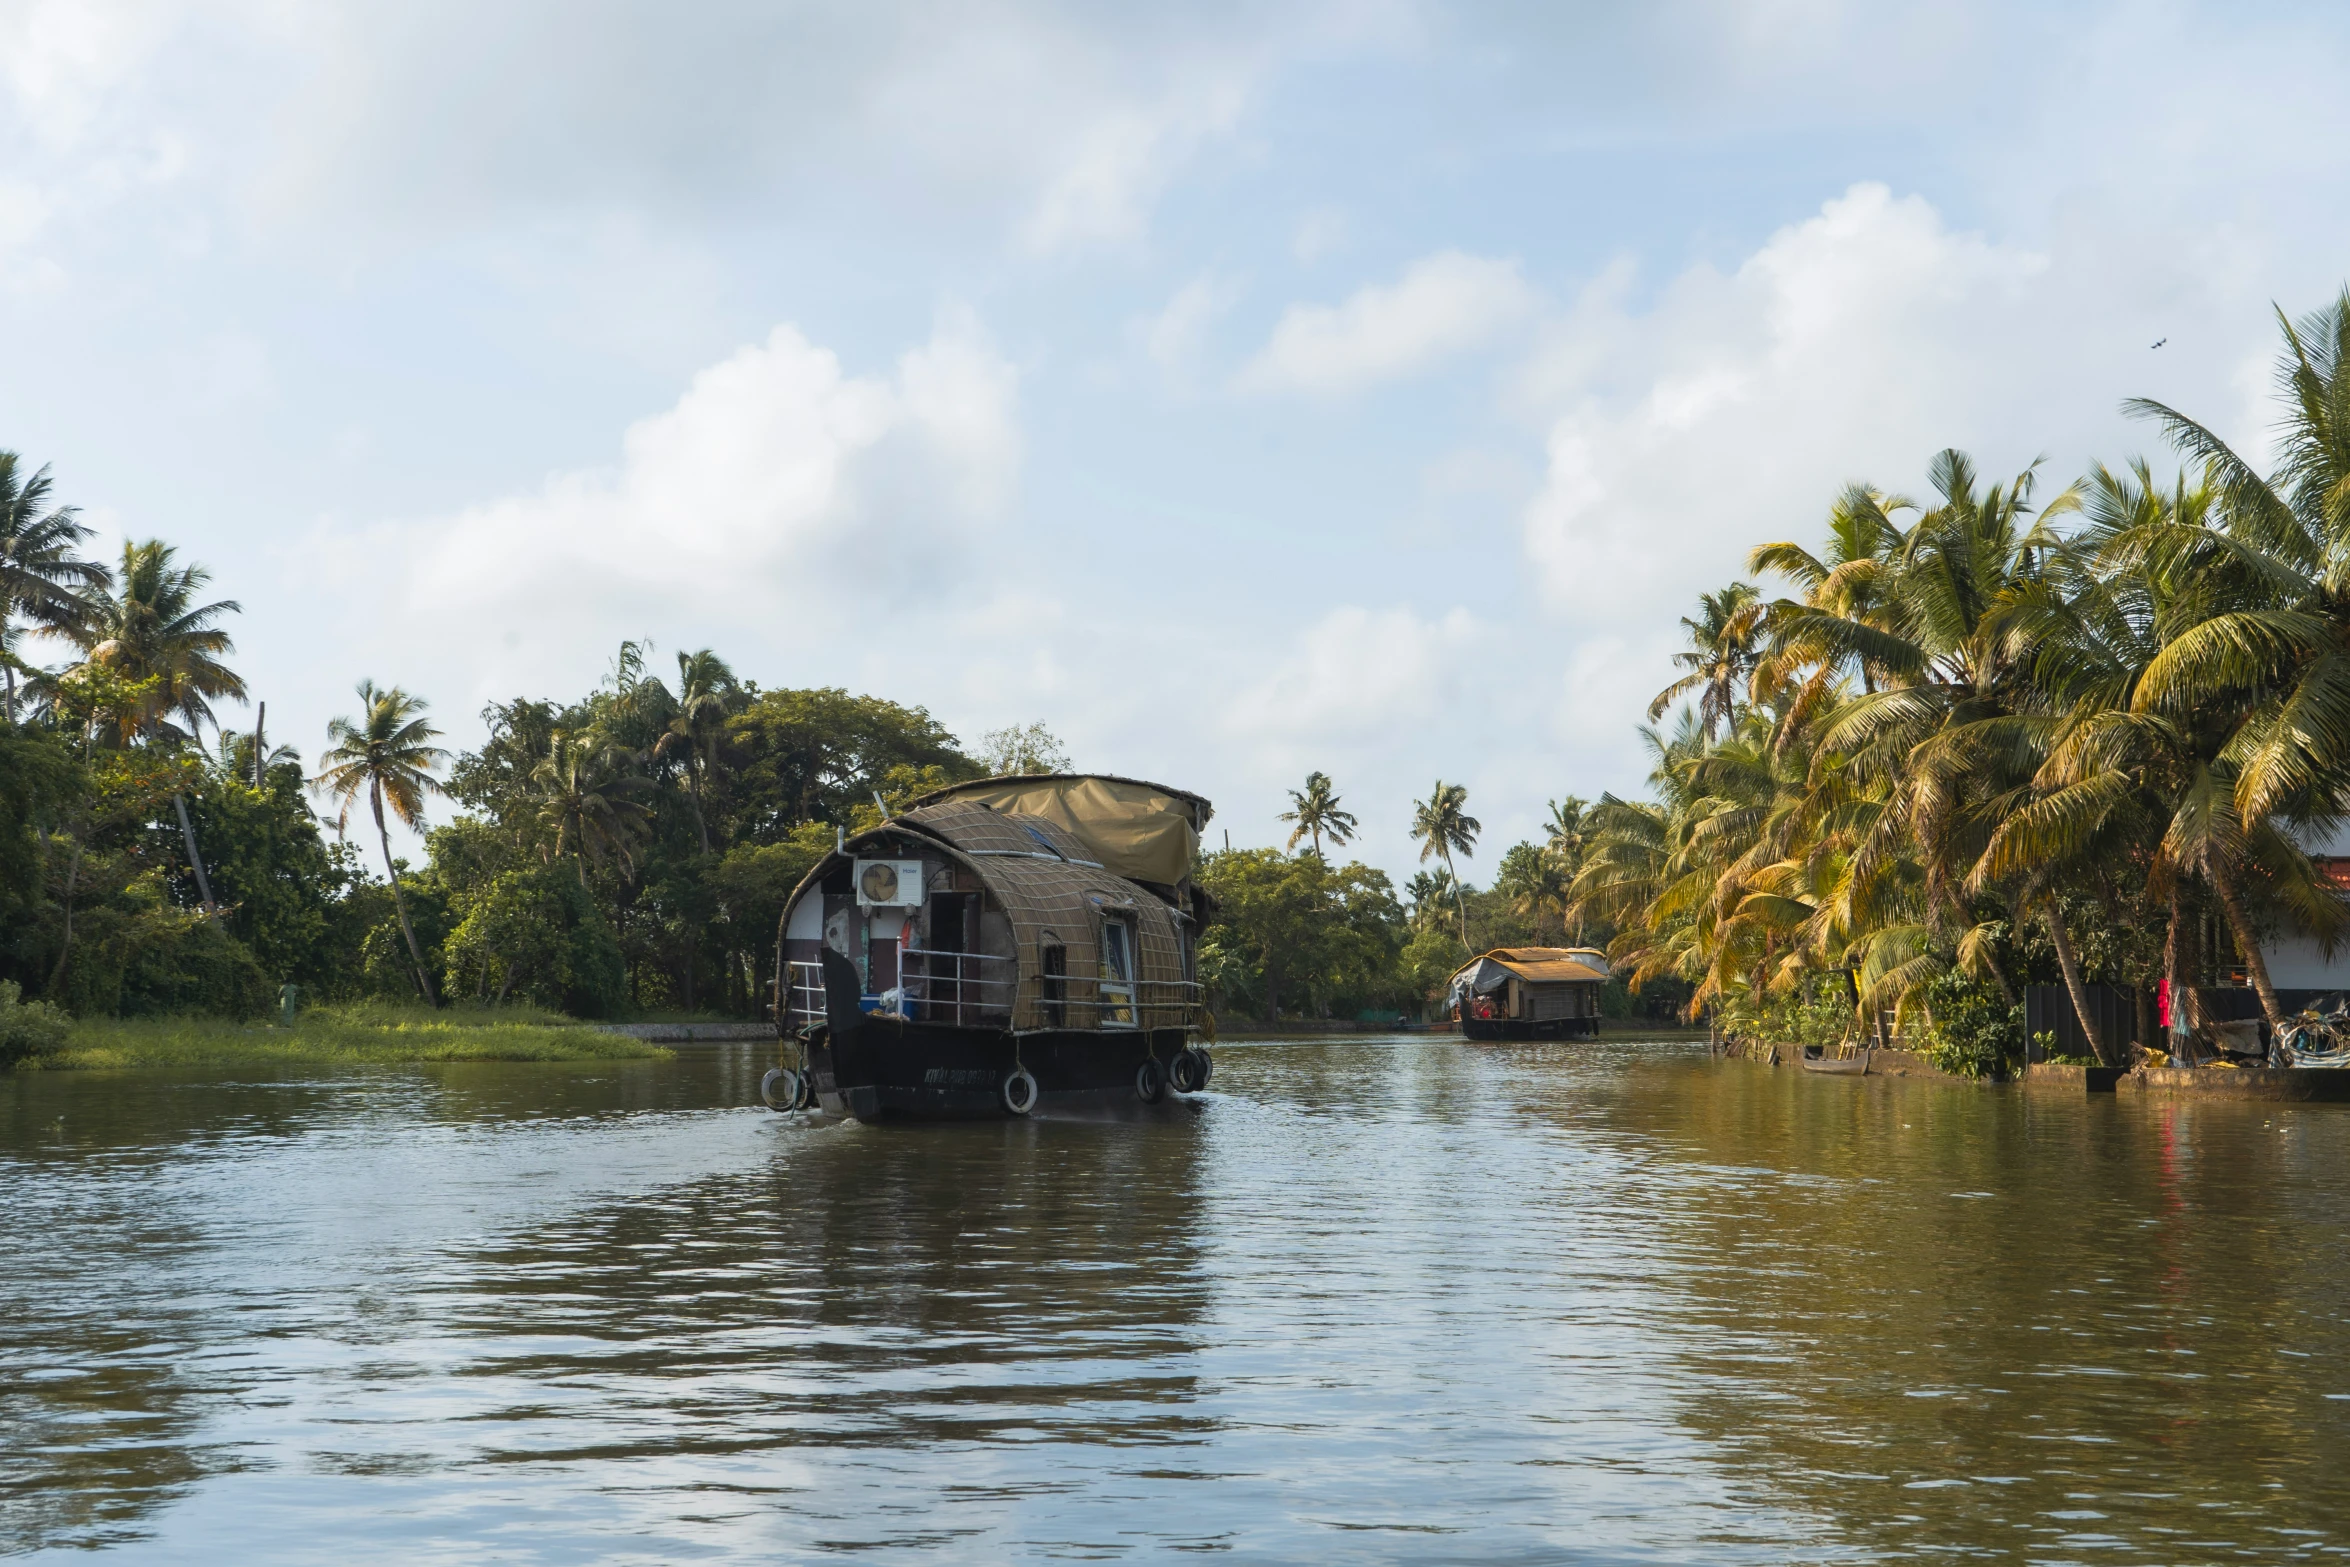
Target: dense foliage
1986	741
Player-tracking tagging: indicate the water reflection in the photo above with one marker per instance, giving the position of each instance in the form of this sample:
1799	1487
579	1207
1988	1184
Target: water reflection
1377	1299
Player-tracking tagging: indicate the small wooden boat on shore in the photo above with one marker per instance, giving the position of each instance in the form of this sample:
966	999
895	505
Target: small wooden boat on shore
1816	1059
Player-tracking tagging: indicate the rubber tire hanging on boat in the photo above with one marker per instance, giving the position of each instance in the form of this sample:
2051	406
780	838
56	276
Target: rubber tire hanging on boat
1149	1082
1019	1091
1207	1064
783	1089
1184	1072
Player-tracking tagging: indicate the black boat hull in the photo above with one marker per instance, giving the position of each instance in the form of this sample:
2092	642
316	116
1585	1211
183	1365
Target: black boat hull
883	1068
1522	1028
876	1067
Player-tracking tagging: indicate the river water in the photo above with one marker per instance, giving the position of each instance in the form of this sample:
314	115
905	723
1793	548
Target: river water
1367	1300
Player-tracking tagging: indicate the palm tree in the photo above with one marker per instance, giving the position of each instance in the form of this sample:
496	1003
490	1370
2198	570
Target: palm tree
1442	827
41	578
1532	879
1316	814
1564	832
1427	891
1724	645
2279	657
584	796
695	722
389	753
149	625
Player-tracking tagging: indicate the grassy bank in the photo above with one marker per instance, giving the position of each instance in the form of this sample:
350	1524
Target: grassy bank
352	1035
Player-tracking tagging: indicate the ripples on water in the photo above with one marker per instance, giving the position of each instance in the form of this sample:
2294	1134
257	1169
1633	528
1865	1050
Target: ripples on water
1405	1300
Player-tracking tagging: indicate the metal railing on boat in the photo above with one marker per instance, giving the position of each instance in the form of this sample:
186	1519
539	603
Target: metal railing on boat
964	997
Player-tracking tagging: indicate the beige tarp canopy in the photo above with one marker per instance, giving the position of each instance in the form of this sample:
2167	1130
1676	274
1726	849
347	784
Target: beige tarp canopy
1535	965
1141	831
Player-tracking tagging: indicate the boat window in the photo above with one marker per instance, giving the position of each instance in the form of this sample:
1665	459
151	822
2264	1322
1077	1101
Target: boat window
1117	981
1054	966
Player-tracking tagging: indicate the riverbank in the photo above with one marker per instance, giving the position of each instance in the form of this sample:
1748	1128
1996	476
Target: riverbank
357	1035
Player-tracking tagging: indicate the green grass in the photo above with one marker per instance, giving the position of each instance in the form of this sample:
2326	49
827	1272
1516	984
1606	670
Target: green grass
358	1034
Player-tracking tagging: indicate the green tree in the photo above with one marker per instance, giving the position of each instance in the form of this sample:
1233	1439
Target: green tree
1287	926
1022	748
2279	657
1725	642
42	578
535	934
389	753
1532	879
705	695
1442	827
1316	811
587	800
818	755
148	626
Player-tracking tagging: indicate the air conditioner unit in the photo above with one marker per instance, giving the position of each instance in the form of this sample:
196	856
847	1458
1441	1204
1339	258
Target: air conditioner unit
889	884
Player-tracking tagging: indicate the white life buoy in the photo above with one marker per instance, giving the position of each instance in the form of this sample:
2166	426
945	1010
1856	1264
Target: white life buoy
1019	1091
783	1089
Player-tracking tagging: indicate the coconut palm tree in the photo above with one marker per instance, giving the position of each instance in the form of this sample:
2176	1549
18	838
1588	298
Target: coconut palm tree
696	721
1316	813
1427	891
1724	644
2279	656
1532	879
41	577
585	797
150	625
1442	827
389	753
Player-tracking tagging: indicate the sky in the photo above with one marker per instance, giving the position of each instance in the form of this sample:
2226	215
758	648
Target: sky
1238	390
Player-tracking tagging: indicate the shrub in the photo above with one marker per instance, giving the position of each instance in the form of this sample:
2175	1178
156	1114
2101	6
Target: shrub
535	935
1971	1030
27	1028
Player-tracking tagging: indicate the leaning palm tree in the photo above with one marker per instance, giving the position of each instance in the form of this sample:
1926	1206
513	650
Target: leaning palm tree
1316	813
1724	644
2280	656
696	721
390	754
41	578
1442	827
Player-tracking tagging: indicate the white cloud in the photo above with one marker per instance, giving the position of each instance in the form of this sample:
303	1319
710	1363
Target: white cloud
732	504
1442	305
1103	192
1172	336
1853	344
1358	676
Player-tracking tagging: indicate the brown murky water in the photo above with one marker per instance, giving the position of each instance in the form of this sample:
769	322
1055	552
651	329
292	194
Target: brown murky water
1374	1300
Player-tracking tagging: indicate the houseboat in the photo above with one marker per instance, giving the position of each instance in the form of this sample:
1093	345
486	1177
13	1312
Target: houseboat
1530	993
998	948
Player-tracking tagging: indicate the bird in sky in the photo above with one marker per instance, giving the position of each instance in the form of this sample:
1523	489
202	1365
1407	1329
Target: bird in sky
2158	342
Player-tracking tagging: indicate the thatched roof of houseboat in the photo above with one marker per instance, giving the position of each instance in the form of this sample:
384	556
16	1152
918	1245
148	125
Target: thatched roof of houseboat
1054	893
1135	829
1535	965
